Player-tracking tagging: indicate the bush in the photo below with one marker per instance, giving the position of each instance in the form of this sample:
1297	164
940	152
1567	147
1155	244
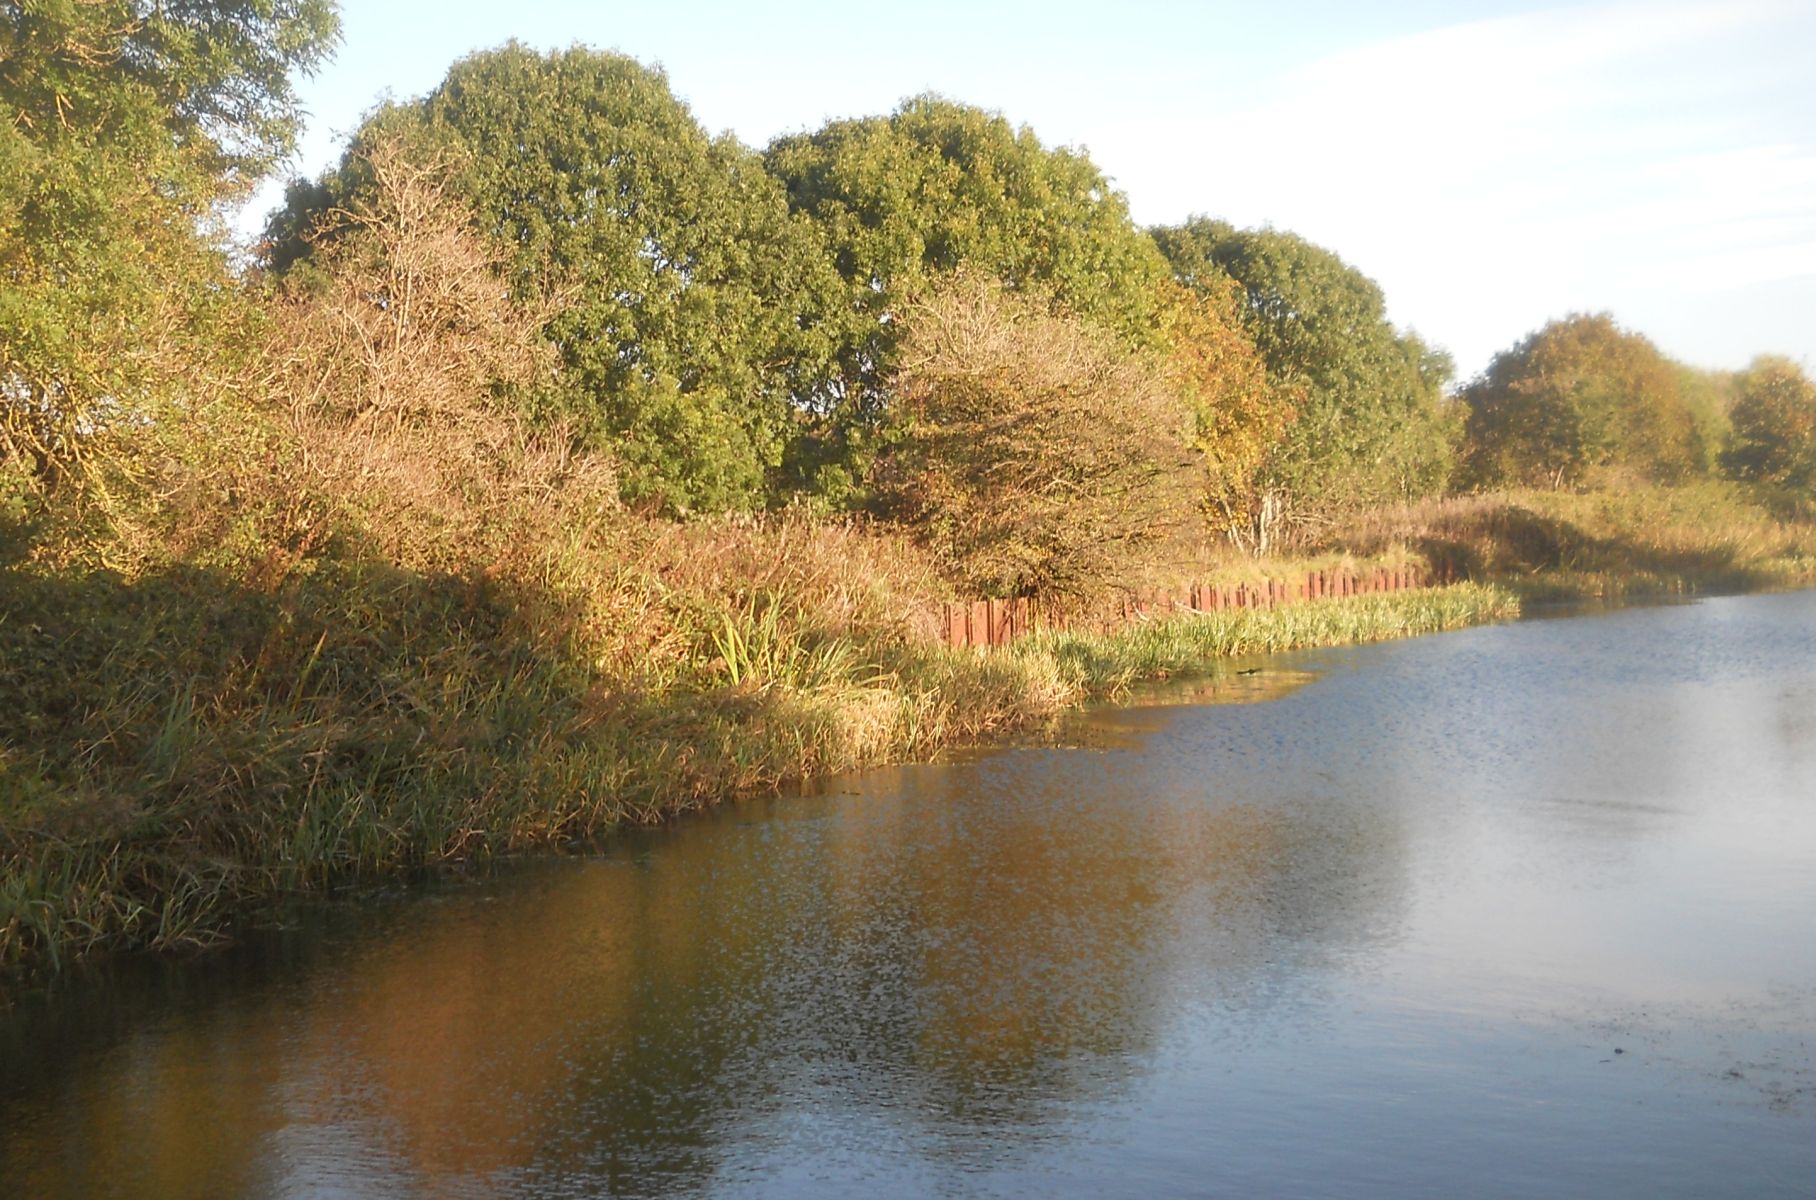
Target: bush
1037	456
1774	437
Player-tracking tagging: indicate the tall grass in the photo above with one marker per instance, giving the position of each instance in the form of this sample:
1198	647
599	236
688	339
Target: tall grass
1630	539
1106	665
186	749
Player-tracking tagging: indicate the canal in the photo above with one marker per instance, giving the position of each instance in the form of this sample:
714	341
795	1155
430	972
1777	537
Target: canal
1526	910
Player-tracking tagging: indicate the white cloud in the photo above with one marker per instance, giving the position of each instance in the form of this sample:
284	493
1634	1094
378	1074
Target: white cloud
1496	173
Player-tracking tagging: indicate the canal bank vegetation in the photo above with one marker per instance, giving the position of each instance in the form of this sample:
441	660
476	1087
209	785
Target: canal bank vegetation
555	465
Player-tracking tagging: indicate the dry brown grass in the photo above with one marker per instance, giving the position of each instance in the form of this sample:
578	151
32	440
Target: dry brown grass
1620	539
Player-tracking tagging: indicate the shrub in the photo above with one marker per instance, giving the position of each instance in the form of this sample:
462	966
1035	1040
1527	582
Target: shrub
1037	455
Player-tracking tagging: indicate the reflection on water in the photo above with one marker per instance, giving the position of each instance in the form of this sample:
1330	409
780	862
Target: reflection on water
1517	910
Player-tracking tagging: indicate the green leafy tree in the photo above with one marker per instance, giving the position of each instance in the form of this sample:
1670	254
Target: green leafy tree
126	126
1037	454
1580	395
1709	395
1774	417
692	313
1372	424
926	190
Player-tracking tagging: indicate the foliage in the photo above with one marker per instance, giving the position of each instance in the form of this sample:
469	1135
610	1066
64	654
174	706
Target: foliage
928	189
1037	454
1371	423
1579	395
394	364
1774	418
1239	415
692	311
1709	395
125	125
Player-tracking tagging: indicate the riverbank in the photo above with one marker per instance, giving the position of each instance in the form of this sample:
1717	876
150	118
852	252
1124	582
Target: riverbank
365	720
1634	540
186	741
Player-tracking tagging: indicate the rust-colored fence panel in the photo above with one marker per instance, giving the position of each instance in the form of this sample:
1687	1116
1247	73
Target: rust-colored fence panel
993	623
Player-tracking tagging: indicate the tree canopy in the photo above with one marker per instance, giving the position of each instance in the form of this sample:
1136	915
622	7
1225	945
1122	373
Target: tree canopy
126	124
694	304
1774	416
936	186
1238	414
1579	395
1371	423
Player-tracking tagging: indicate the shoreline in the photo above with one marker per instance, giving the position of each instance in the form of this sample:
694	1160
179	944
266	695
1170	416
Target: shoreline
71	900
189	748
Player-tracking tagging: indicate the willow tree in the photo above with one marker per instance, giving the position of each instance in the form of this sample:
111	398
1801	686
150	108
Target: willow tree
1372	424
1579	396
931	188
693	304
127	125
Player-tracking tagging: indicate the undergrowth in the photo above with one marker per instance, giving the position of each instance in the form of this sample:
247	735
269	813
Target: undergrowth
1629	540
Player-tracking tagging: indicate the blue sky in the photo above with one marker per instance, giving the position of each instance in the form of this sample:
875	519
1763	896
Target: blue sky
1492	165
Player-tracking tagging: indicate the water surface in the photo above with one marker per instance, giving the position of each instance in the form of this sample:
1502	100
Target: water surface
1518	911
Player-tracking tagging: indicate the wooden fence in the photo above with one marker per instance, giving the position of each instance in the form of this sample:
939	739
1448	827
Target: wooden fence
986	623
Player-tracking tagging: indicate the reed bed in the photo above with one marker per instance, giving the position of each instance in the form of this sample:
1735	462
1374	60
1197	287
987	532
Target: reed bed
1107	665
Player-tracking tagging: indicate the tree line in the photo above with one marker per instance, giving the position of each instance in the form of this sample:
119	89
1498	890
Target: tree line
927	315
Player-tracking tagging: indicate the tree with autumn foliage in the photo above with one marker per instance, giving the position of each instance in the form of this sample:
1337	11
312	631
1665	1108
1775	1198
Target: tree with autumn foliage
1580	396
935	187
1774	418
1239	414
696	307
1372	424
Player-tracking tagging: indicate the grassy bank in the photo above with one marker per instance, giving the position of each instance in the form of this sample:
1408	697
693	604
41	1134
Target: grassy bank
1106	665
1629	540
356	690
187	746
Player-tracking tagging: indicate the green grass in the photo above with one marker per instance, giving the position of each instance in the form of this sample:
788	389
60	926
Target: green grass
1105	665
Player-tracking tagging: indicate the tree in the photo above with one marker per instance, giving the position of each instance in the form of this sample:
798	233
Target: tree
1239	415
126	125
693	312
1774	438
395	365
1371	422
1037	454
1580	395
405	321
935	186
1709	396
